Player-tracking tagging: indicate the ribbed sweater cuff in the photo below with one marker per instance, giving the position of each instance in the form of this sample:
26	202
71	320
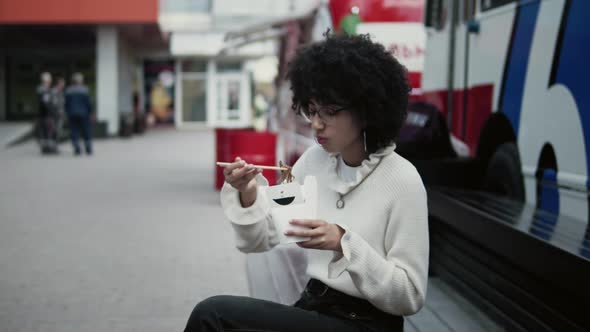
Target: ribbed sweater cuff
356	255
232	207
352	244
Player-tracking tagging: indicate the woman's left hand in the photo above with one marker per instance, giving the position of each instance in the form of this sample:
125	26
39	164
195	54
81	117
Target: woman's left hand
324	236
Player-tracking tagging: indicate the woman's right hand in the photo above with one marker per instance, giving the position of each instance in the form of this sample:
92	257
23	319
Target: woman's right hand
241	176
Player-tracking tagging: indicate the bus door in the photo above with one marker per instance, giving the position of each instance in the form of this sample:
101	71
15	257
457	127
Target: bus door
477	66
447	64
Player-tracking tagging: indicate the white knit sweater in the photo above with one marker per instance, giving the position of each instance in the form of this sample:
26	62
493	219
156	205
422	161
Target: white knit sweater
385	244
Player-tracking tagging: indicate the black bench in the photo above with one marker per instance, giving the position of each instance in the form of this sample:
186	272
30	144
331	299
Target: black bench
505	257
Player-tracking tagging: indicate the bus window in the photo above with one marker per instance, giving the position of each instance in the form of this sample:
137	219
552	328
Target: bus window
468	10
491	4
435	14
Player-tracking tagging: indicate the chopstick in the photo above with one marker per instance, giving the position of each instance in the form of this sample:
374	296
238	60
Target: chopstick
256	166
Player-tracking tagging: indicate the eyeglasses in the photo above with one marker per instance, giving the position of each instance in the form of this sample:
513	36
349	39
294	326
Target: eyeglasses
326	114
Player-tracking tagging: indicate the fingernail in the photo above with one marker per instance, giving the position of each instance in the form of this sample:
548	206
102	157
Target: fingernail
287	233
292	221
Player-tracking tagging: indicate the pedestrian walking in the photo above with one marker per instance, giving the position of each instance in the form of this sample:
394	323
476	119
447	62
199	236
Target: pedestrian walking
59	101
79	111
46	124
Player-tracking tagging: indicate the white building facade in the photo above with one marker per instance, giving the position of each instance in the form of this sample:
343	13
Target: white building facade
214	77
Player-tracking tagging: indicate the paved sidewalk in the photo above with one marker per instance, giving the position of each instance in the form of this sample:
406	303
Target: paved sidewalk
11	132
126	240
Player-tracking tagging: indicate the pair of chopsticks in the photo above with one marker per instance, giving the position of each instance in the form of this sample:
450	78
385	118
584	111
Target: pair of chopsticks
256	166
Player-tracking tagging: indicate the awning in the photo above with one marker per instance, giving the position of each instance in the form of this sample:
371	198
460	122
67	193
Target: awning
210	44
263	31
250	40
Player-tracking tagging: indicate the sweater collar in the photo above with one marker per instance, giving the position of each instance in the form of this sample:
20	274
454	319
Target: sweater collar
363	170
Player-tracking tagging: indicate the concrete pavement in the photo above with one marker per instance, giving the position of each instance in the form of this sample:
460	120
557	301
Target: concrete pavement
128	239
11	132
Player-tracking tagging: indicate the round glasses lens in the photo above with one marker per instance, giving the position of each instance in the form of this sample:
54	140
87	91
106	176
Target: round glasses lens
306	116
326	115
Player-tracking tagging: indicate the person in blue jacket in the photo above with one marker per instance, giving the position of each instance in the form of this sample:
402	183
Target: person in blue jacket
79	112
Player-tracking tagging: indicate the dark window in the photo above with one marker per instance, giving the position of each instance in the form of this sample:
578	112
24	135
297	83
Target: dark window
194	65
491	4
468	10
435	14
185	6
223	66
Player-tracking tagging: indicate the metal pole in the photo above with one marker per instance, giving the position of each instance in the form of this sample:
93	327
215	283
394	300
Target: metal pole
451	65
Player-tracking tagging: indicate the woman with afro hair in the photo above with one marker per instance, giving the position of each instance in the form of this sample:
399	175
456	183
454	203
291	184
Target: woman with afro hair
368	250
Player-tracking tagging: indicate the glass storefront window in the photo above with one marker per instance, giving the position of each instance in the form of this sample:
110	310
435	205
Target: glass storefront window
185	6
23	73
194	66
233	100
194	100
229	89
226	66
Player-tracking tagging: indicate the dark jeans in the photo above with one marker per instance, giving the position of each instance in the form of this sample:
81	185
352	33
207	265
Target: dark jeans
81	124
47	128
319	309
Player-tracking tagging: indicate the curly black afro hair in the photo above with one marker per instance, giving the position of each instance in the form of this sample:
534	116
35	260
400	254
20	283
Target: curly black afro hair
356	73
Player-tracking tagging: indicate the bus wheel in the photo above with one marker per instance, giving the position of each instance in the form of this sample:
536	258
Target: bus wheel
504	175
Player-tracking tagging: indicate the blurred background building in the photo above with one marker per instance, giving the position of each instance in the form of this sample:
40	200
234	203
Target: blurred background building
218	77
168	61
104	40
